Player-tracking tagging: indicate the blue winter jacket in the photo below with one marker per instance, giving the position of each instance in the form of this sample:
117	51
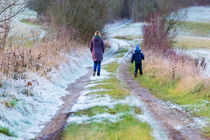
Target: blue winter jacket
137	55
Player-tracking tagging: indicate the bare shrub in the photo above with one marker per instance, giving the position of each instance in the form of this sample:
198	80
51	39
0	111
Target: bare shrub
157	36
50	53
8	10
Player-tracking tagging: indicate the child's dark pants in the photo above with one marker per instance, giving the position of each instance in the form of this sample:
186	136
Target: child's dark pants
138	66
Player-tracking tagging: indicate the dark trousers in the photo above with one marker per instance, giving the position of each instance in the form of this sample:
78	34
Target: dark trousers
138	66
97	65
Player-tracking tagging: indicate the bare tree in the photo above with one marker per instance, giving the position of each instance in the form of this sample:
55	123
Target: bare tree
8	10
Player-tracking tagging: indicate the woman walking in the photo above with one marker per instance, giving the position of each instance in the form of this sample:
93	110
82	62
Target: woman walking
97	49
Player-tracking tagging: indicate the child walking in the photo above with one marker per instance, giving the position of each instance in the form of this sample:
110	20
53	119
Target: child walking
138	56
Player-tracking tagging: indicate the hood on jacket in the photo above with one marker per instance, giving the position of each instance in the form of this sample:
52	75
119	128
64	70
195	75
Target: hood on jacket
138	47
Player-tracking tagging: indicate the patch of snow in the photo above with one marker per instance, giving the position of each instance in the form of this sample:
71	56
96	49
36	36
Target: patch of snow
197	14
31	113
23	29
124	28
202	53
200	122
158	132
87	101
97	118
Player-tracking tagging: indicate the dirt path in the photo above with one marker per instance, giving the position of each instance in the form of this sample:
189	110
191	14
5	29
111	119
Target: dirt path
175	122
54	128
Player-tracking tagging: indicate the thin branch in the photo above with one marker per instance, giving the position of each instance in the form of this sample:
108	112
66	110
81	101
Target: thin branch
19	11
8	7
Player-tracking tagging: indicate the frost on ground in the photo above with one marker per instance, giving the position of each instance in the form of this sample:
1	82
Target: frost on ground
25	30
35	105
88	101
202	53
91	98
197	14
26	109
124	28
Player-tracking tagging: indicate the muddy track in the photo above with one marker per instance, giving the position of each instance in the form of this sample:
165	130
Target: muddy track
55	127
169	118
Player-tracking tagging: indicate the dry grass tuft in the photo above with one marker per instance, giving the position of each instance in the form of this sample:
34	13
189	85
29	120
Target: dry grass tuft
47	54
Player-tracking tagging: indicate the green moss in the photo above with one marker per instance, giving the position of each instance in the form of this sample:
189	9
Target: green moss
6	131
128	128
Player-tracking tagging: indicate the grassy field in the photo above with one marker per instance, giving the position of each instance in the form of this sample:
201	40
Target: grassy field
196	28
127	128
195	35
192	42
129	37
29	22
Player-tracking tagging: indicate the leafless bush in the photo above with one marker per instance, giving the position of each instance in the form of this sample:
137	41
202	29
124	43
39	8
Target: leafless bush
17	60
158	38
8	10
47	54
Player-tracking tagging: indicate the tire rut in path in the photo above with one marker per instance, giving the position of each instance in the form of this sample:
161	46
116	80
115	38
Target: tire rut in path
168	118
54	128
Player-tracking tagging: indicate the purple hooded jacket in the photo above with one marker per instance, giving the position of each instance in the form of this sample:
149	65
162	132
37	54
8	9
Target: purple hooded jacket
97	48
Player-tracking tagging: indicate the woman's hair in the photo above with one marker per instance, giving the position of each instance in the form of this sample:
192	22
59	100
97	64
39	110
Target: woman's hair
97	33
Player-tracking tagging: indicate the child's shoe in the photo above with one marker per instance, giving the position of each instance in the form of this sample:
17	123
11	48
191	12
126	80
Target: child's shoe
98	74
